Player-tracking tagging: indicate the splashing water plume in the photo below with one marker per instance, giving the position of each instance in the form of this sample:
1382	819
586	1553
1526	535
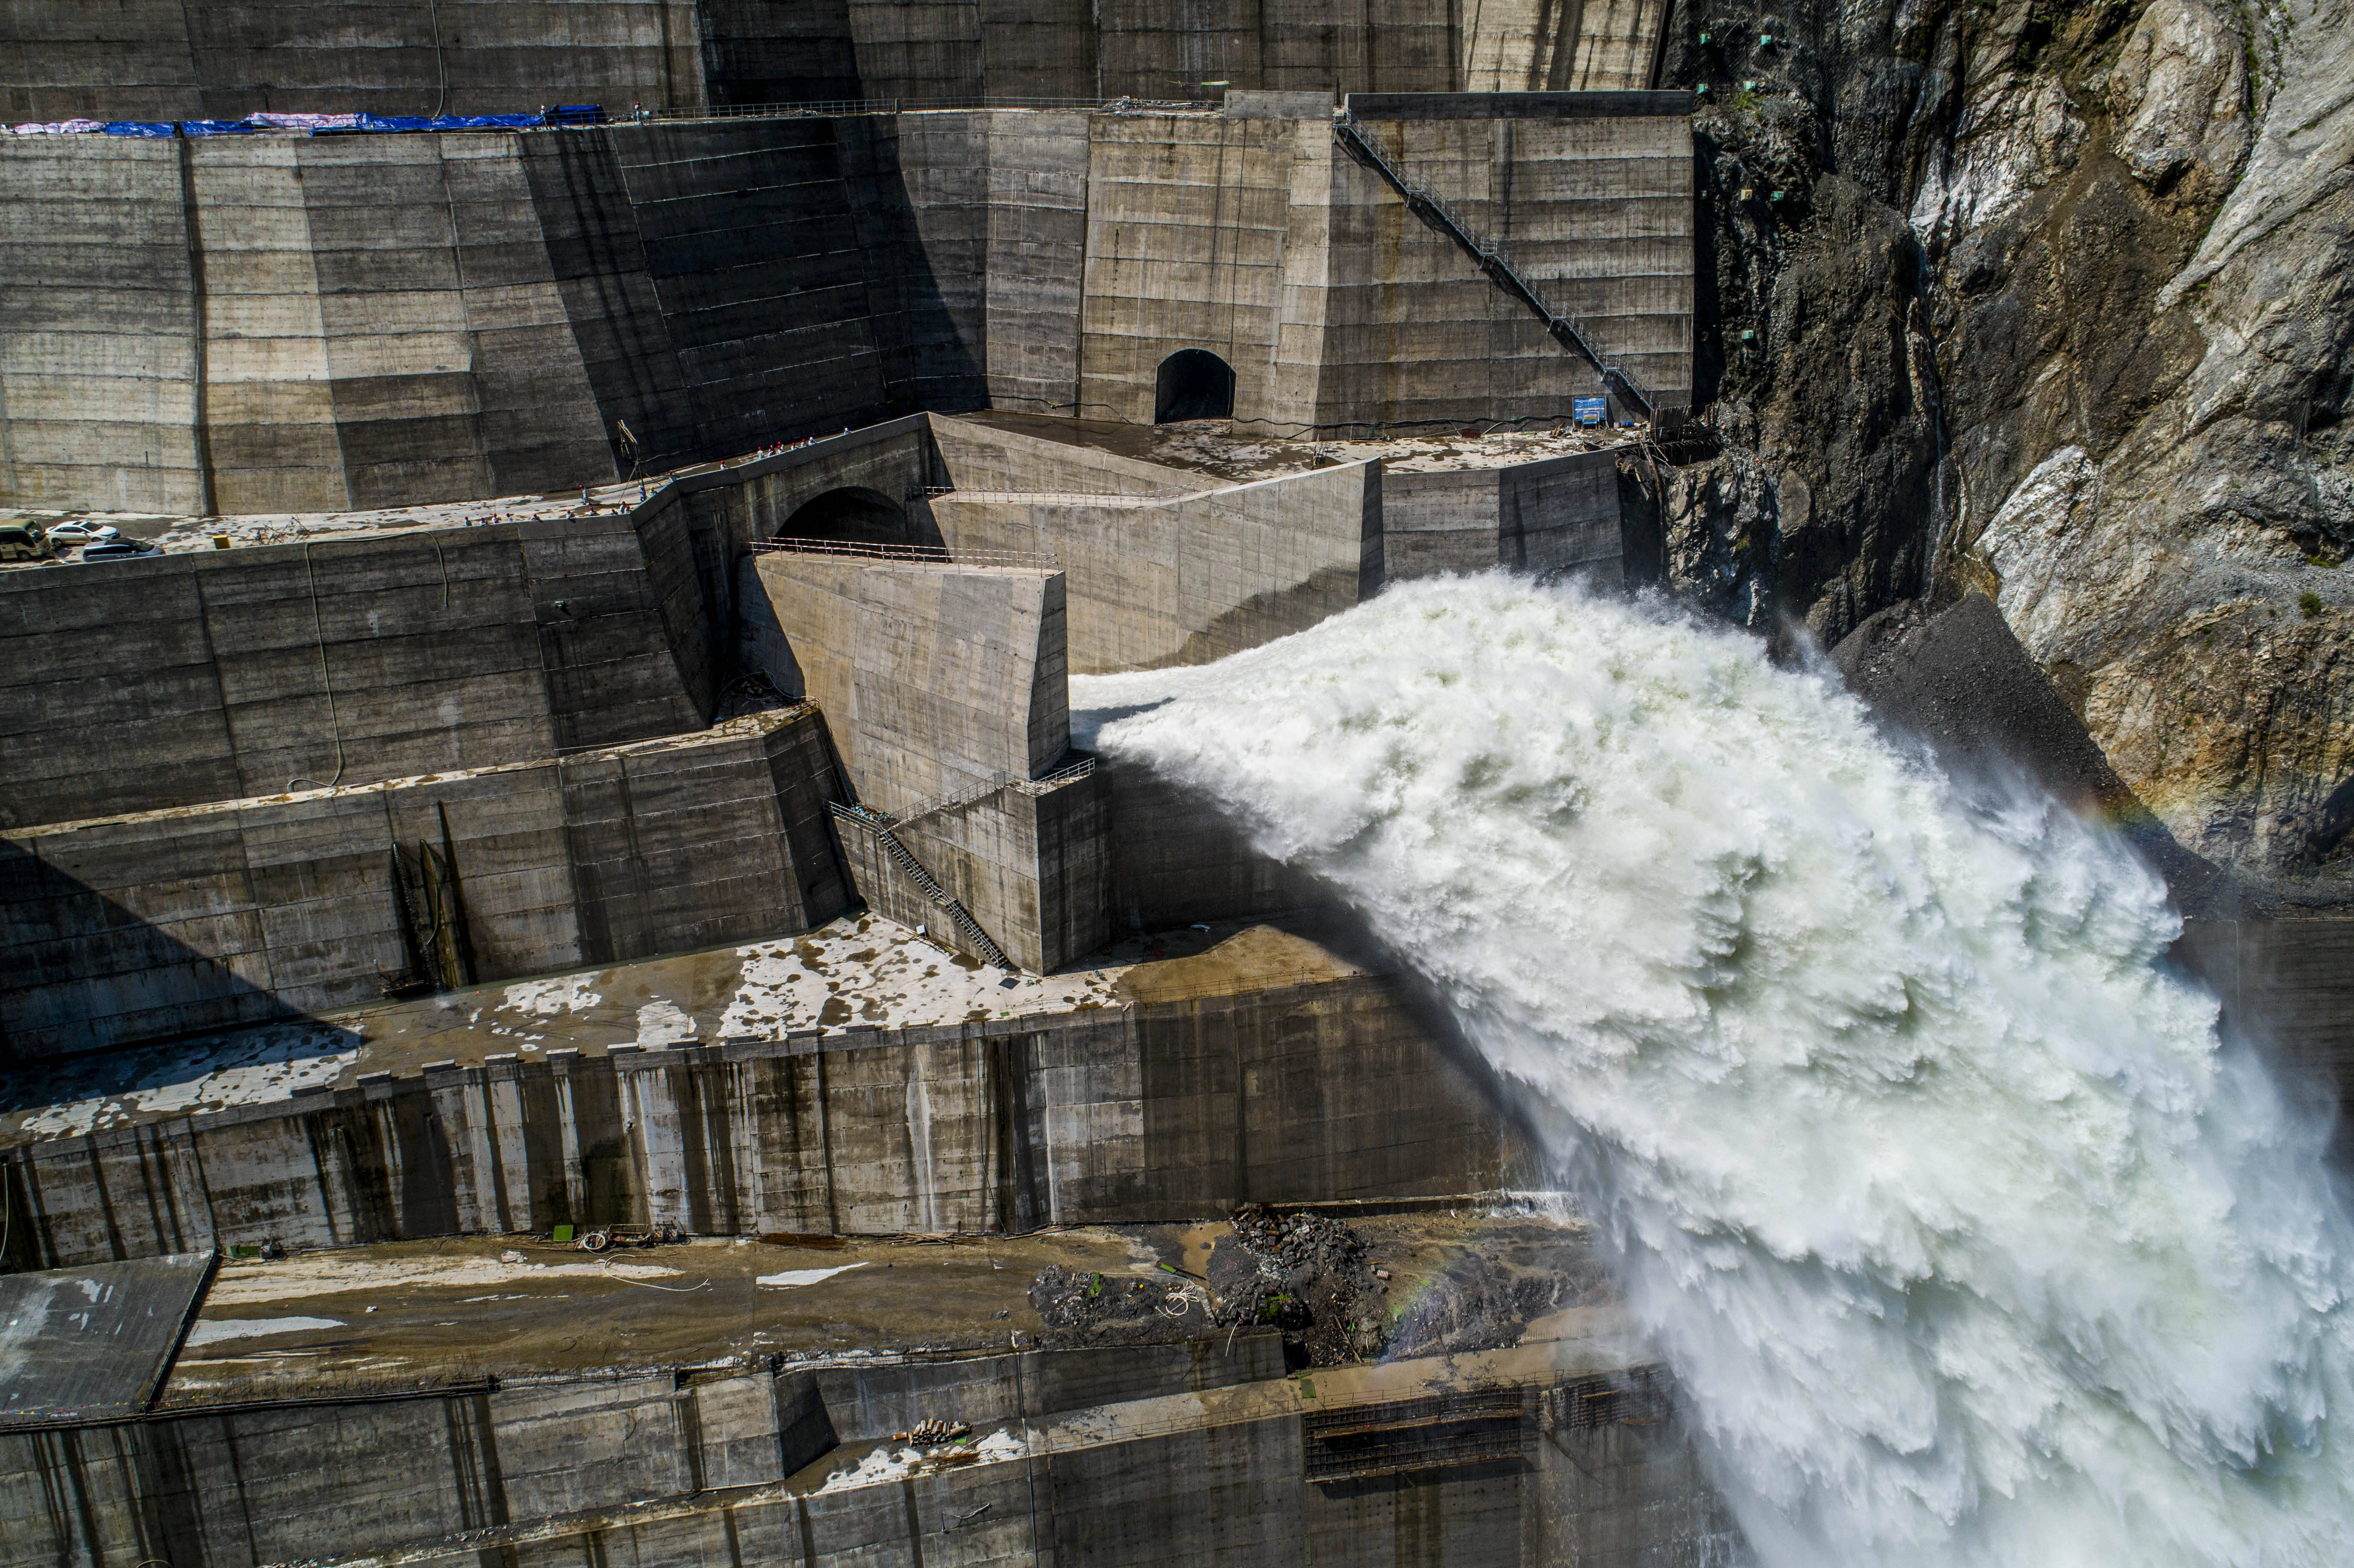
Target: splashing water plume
1968	1240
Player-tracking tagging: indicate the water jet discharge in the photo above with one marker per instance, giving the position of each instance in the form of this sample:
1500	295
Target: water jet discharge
1971	1237
1022	787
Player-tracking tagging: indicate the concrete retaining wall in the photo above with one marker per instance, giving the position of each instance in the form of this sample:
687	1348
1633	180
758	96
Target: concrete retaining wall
1558	515
982	459
277	323
2288	987
1224	1492
1176	859
1316	1091
1596	209
179	922
1034	867
178	679
1189	1454
1155	582
1215	1474
934	679
247	1484
148	60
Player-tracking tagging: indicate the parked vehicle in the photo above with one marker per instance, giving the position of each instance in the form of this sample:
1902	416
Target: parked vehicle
24	542
119	550
70	532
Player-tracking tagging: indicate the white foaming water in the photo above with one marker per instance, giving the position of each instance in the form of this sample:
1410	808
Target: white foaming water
1968	1240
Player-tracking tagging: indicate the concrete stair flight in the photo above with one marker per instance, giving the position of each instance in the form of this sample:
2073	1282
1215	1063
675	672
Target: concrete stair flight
878	824
1564	328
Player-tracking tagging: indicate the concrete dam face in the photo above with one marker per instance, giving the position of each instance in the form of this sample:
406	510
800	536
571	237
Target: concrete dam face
231	325
906	784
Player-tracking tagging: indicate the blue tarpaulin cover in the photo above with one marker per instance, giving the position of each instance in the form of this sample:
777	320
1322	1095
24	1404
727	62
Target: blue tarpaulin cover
564	114
449	122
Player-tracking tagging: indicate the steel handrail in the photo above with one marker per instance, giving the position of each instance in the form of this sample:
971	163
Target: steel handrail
1559	324
839	107
919	554
881	826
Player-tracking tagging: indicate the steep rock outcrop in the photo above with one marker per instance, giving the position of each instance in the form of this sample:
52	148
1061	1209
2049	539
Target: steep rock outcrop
2058	305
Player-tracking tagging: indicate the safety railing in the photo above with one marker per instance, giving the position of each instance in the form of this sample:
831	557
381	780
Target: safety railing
1564	328
919	554
879	825
1078	770
837	107
981	789
1070	497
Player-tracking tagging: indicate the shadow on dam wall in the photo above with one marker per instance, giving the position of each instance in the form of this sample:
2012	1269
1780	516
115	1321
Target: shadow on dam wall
730	285
85	974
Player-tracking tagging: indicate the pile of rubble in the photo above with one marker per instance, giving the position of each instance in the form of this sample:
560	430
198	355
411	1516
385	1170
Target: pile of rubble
1486	1299
1090	1308
1307	1275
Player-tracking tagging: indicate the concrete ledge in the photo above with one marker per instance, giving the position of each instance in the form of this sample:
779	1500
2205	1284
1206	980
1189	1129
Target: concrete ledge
1515	105
1201	1442
209	917
1160	1109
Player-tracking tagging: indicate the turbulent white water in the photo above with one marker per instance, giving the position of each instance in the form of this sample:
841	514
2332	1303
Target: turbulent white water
1968	1240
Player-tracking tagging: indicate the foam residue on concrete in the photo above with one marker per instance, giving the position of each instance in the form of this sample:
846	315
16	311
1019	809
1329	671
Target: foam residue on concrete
870	972
212	1330
90	1093
886	1463
793	1277
549	997
662	1024
245	1283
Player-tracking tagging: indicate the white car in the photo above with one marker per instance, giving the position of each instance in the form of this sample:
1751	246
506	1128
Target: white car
72	532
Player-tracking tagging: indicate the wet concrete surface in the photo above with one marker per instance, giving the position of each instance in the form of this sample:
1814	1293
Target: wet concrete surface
1210	446
855	972
418	1315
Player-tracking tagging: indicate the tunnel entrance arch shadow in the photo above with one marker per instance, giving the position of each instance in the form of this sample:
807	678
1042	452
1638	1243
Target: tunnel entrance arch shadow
852	516
1193	383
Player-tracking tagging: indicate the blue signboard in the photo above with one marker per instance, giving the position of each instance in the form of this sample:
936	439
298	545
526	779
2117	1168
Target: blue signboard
1589	411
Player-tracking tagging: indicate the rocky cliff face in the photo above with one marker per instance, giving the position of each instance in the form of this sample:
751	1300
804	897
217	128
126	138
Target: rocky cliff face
2053	301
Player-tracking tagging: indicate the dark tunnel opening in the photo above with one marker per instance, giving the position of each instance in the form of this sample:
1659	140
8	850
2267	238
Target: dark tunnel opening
853	516
1193	383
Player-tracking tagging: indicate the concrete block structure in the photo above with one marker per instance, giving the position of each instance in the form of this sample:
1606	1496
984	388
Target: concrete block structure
221	841
117	929
264	323
147	60
594	764
1161	580
347	661
1561	514
1030	863
934	676
1177	1107
1114	1463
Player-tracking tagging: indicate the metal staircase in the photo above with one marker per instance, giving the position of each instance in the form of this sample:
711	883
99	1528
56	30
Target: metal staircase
1565	329
880	825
